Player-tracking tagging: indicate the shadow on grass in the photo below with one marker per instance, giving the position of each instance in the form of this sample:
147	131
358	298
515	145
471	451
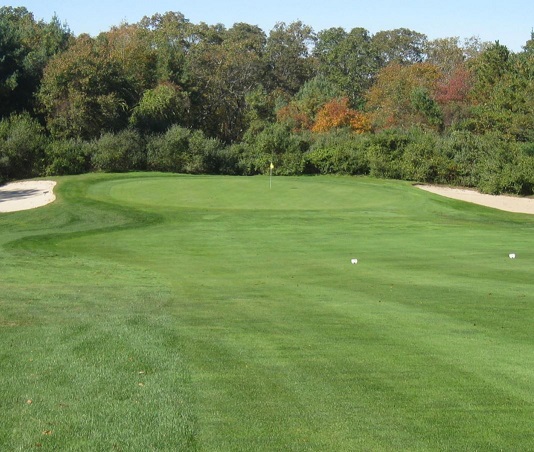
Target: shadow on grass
9	195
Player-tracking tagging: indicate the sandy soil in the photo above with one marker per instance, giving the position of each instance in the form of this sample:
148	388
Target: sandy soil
26	195
501	202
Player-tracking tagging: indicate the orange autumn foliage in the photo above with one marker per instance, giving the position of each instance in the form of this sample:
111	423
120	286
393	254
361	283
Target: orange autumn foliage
337	113
294	117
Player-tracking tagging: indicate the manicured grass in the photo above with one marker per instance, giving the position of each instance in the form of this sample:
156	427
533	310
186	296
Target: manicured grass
165	312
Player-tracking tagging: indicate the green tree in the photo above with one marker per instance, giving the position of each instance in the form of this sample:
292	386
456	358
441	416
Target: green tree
159	108
225	67
25	48
424	104
171	35
348	60
84	92
22	147
489	68
260	107
288	56
400	46
503	94
529	45
130	47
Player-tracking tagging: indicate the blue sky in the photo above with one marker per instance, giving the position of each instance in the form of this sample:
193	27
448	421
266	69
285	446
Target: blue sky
510	21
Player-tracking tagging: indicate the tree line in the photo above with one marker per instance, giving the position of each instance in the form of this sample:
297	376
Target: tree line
166	94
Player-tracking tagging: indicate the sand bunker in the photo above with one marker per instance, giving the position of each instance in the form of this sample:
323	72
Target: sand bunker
26	195
501	202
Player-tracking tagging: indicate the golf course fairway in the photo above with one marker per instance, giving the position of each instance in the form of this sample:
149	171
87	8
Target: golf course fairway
152	311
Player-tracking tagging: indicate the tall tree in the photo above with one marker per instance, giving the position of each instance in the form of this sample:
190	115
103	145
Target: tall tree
300	113
225	66
85	92
529	45
347	60
403	96
489	67
503	94
400	46
171	36
160	108
446	53
288	56
131	48
25	48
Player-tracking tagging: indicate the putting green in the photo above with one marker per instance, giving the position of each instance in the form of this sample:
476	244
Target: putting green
252	193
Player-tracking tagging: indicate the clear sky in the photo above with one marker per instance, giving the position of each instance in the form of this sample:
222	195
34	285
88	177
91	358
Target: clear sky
510	21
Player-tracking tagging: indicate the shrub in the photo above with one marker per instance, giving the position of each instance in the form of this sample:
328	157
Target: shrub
506	170
385	153
289	164
339	152
167	152
68	157
123	151
230	159
271	144
22	147
203	156
465	152
423	161
181	150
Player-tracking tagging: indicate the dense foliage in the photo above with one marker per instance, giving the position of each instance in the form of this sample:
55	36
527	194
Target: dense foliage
170	95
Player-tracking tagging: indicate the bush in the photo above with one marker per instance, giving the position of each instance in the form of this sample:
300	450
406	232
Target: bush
167	152
339	152
385	153
466	152
203	156
424	161
68	157
22	147
123	151
289	164
230	158
181	150
506	170
275	143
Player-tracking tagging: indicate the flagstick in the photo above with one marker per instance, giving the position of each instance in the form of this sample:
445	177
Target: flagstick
270	178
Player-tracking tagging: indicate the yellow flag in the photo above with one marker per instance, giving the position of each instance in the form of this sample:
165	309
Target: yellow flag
272	166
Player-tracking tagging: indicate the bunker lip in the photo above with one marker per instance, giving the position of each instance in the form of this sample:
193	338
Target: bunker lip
501	202
25	195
